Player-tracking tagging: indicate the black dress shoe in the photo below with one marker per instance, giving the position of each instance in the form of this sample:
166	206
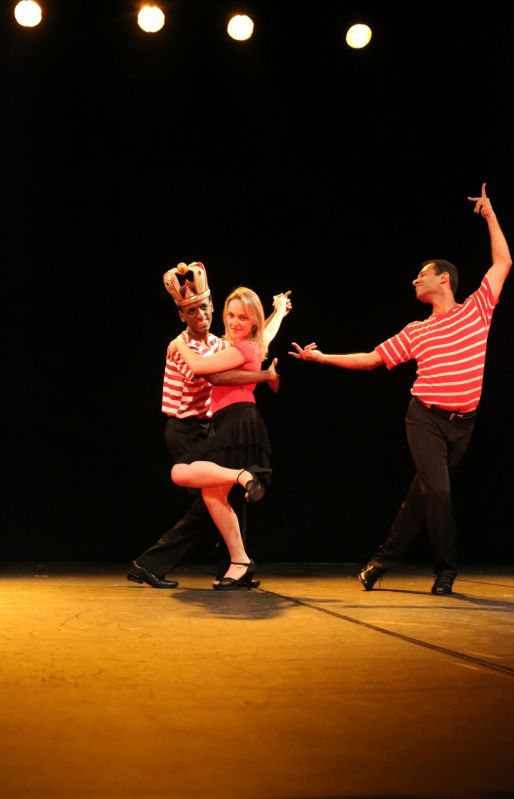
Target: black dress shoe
369	575
138	574
442	585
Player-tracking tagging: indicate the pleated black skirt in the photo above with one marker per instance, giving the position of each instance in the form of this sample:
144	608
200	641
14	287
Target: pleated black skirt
239	439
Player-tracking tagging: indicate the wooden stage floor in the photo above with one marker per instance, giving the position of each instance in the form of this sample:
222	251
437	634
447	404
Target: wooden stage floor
307	687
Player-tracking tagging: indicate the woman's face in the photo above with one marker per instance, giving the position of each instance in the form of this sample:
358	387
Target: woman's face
239	325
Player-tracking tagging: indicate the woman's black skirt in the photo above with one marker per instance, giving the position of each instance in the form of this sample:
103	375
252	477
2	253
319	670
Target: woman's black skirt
239	439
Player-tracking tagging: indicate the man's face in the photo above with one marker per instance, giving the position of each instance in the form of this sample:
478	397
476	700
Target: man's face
198	317
427	284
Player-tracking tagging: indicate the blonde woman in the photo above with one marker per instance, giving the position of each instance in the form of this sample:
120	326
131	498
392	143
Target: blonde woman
239	452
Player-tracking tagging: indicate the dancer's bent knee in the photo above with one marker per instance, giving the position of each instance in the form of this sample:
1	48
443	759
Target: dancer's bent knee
179	474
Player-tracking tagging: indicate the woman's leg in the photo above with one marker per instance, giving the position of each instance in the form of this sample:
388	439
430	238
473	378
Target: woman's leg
205	474
225	519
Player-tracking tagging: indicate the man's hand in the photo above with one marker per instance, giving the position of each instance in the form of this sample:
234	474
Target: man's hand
307	353
281	302
274	379
482	204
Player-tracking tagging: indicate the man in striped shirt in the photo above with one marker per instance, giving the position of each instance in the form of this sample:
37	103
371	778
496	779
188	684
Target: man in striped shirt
449	348
186	401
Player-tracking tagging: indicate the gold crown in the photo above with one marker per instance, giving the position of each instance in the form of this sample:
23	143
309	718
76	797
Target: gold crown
187	283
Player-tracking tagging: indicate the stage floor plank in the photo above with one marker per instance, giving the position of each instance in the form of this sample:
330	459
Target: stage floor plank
307	687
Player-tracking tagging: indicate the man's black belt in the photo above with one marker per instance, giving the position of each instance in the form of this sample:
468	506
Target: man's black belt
451	416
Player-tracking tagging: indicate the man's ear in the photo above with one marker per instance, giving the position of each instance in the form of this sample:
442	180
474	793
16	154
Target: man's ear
181	316
445	277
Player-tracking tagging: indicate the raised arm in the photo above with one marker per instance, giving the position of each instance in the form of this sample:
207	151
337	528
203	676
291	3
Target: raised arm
502	260
355	360
281	307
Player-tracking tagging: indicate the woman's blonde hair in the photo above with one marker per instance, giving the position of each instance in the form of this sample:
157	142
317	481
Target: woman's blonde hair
253	307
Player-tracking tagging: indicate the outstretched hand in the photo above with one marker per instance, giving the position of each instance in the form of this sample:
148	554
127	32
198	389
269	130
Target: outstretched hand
482	204
274	381
307	353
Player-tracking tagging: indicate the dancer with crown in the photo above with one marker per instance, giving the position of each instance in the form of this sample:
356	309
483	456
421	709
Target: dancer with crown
186	401
240	437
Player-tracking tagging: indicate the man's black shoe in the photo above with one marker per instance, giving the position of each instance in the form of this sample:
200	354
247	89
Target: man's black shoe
369	575
138	574
442	585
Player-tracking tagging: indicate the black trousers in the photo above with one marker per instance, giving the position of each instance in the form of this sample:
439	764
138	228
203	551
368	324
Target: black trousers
438	443
181	435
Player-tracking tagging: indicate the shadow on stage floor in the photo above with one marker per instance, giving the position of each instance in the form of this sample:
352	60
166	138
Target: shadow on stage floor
307	687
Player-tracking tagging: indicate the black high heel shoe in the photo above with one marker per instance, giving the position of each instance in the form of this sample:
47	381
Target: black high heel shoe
244	582
254	488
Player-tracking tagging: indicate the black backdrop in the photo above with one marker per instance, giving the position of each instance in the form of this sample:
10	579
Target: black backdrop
289	162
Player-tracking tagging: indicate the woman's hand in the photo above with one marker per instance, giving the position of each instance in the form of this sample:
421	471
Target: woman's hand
173	346
282	303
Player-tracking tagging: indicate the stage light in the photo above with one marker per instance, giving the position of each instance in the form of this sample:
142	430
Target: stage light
28	13
150	19
358	36
240	27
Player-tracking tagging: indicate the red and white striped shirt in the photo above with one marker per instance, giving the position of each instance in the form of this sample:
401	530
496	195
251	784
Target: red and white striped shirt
450	351
184	393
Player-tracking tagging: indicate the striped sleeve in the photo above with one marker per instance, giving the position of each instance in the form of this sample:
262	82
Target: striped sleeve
396	349
485	301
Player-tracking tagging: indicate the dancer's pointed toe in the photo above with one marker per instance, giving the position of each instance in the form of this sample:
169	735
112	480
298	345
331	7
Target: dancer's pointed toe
255	489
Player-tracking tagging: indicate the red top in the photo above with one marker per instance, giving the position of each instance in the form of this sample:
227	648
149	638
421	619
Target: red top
449	350
228	395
